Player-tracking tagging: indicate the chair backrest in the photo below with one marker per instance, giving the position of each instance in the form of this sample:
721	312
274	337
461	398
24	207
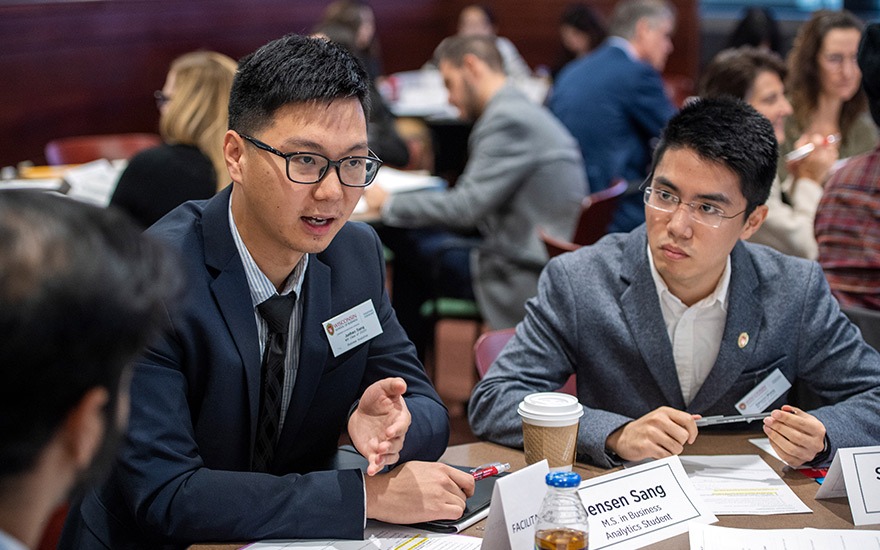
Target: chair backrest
555	246
868	322
596	215
490	344
80	149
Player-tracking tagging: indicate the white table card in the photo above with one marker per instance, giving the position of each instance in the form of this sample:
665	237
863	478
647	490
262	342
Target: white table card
855	472
513	512
641	505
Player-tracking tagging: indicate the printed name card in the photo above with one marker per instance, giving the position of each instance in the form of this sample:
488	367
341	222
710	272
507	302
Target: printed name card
855	472
641	505
513	512
352	328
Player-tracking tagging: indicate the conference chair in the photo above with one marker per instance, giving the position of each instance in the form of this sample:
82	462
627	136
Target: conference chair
868	322
490	344
80	149
597	210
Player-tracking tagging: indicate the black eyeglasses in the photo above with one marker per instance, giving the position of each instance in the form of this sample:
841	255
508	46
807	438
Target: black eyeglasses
161	98
309	168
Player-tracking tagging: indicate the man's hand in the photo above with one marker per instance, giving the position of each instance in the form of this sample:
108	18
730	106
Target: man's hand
418	491
796	436
378	426
375	196
660	433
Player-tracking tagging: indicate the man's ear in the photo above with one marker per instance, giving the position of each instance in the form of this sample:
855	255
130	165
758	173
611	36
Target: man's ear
233	150
472	65
84	428
754	222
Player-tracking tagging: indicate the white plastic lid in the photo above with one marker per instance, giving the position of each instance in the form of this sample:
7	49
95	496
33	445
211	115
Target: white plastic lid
550	409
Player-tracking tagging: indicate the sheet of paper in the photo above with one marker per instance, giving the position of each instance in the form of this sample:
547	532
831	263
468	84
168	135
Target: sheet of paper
93	182
741	485
380	536
706	537
763	443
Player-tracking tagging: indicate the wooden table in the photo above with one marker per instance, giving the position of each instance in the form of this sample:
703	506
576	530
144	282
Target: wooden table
827	514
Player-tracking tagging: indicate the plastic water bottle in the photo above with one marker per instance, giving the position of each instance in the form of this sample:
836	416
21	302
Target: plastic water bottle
562	521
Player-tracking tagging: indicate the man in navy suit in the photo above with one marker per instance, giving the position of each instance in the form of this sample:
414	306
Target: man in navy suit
681	318
613	101
190	471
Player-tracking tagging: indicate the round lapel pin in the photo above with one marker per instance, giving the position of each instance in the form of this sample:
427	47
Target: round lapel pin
743	340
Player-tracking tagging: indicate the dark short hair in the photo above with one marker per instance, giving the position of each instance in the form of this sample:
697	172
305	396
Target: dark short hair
453	49
731	133
869	63
733	72
293	69
81	293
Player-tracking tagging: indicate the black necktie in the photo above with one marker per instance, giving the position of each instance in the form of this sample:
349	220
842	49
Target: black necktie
276	311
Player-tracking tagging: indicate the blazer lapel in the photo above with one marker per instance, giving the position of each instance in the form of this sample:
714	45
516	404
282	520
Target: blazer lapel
641	309
744	313
313	349
231	292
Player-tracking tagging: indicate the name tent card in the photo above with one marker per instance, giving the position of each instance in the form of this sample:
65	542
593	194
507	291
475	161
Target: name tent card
855	472
513	512
641	505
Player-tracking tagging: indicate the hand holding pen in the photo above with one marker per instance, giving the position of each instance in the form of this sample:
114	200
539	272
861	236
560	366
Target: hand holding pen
814	158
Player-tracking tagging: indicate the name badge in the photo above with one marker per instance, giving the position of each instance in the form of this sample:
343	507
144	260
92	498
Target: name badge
855	472
352	328
641	505
764	394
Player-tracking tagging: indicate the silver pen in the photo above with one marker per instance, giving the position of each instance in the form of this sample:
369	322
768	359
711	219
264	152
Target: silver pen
715	420
804	150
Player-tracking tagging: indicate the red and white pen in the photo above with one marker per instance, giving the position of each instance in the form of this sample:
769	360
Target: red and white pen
489	470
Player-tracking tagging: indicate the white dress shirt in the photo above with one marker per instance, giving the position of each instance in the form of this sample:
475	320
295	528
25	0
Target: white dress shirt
7	542
695	332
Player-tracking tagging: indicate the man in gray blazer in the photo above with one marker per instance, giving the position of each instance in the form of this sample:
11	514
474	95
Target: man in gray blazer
681	318
524	171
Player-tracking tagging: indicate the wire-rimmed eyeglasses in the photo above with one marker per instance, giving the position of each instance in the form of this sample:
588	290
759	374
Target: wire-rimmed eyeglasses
701	212
310	168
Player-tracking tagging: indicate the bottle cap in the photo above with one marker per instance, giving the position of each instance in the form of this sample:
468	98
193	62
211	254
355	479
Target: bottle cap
563	479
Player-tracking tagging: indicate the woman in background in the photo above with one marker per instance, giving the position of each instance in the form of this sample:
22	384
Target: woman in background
756	76
824	84
193	118
358	16
581	30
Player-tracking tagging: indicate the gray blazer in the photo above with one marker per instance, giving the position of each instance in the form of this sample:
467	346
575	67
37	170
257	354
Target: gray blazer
524	171
597	314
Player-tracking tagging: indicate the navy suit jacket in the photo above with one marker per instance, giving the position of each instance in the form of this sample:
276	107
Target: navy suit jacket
182	475
614	107
597	314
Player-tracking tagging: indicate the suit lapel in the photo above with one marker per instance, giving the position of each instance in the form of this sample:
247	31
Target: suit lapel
231	292
313	349
641	308
743	317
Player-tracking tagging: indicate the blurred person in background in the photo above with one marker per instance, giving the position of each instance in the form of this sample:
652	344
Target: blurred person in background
358	16
848	219
193	119
757	28
581	30
756	76
382	135
480	20
824	86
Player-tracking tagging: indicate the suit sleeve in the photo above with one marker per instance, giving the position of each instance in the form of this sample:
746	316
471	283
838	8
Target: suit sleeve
501	159
540	357
840	367
650	107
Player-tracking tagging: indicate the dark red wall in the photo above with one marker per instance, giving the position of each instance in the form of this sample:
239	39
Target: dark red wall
89	67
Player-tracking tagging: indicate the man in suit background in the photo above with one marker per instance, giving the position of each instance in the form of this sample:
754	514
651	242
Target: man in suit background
196	465
523	172
614	103
81	293
680	318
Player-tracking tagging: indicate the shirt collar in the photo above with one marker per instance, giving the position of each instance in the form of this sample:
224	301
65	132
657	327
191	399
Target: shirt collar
625	45
260	286
718	295
8	542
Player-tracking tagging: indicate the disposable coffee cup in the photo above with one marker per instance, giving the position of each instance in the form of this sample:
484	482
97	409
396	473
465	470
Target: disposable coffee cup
550	428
